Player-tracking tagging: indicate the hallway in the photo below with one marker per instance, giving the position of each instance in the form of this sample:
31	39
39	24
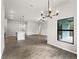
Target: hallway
33	48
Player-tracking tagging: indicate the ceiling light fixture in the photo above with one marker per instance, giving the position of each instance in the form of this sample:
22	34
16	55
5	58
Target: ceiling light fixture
49	13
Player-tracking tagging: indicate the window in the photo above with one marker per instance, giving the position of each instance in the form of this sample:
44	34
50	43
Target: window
65	30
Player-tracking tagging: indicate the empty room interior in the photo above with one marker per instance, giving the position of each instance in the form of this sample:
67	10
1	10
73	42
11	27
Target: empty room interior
38	29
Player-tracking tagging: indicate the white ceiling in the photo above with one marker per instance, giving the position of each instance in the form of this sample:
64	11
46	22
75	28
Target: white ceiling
30	9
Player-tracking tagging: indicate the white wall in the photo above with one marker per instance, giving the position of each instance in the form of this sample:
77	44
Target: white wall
13	27
67	10
5	25
2	27
43	28
32	28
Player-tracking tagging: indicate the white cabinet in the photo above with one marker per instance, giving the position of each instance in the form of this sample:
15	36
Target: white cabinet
20	35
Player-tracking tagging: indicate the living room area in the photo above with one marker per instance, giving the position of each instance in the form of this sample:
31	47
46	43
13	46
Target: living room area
39	29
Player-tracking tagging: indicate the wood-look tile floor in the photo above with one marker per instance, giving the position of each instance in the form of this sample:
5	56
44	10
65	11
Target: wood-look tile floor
33	49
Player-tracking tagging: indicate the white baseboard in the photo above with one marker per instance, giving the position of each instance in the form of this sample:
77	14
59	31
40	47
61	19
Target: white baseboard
62	48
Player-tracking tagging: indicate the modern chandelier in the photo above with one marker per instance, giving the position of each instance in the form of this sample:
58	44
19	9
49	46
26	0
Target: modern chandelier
49	13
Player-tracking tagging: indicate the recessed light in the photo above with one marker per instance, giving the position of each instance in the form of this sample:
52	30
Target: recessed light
12	12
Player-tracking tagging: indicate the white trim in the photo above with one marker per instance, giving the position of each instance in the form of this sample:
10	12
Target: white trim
62	48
